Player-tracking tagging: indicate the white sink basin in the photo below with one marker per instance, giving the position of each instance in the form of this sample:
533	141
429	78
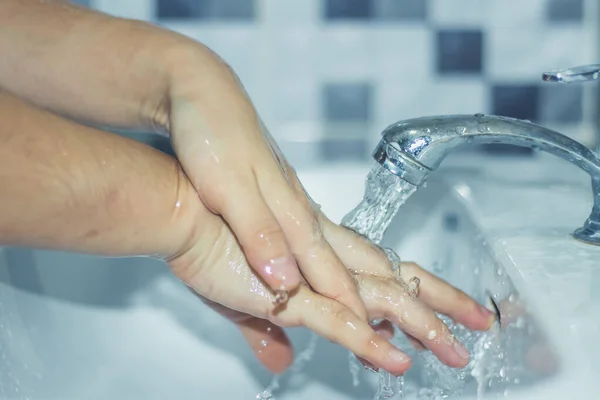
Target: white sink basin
80	327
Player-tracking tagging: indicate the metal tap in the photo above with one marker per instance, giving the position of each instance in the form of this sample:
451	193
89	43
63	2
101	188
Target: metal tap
413	148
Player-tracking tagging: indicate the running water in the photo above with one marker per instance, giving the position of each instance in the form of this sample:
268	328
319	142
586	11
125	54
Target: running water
385	193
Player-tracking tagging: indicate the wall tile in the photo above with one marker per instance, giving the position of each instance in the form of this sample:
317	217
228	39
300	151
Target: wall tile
561	103
206	9
459	51
347	101
345	150
403	10
564	10
348	9
516	101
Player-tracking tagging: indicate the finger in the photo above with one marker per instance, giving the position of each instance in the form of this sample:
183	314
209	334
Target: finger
338	324
386	298
261	237
362	256
448	300
319	264
385	329
355	251
269	343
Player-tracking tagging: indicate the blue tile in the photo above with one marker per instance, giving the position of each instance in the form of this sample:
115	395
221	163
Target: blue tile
347	101
241	10
459	51
85	3
404	10
564	10
348	9
516	101
345	150
221	10
561	103
182	9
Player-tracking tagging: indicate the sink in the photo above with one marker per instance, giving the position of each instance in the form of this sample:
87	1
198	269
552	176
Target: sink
76	326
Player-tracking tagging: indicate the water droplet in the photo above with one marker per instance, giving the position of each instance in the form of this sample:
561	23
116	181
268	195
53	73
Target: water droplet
264	343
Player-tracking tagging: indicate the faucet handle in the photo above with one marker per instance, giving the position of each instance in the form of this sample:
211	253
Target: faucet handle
576	74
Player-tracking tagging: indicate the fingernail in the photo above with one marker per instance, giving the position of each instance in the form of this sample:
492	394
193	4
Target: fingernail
485	311
285	270
491	317
461	350
398	357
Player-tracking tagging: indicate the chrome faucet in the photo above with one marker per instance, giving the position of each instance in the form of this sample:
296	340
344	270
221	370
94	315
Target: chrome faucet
582	73
413	148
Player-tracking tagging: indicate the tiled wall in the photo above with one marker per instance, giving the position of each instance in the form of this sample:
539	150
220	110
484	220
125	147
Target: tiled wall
328	75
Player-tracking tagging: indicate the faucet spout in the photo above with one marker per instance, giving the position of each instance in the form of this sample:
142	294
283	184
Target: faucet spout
414	148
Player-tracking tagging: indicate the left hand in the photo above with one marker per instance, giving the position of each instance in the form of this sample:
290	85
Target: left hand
384	298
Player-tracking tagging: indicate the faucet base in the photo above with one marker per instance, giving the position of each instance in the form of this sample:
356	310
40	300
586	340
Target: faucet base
587	235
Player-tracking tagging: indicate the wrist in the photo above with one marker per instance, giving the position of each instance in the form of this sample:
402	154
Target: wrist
195	74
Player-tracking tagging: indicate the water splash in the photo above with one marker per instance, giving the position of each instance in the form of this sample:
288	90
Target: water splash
384	195
297	366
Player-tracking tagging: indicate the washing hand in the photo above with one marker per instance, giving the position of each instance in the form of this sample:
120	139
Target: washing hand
216	268
240	175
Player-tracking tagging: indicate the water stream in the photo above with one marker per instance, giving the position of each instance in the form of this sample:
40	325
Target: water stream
384	195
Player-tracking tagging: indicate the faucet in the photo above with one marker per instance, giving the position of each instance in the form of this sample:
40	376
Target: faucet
582	73
412	149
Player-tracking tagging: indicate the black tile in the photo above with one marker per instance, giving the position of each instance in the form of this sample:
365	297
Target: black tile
459	51
182	9
516	101
404	10
347	101
348	9
345	150
561	103
564	10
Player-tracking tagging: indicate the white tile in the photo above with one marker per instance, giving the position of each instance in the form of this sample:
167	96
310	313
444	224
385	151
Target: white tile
526	53
458	13
457	96
296	100
283	14
401	53
399	100
343	53
514	13
134	9
406	100
292	54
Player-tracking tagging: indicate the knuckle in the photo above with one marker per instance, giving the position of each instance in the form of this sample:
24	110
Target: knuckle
266	233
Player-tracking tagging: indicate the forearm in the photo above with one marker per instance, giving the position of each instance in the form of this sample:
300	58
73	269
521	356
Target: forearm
89	65
68	187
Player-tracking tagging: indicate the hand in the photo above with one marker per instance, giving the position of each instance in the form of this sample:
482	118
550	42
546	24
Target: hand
240	175
216	268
